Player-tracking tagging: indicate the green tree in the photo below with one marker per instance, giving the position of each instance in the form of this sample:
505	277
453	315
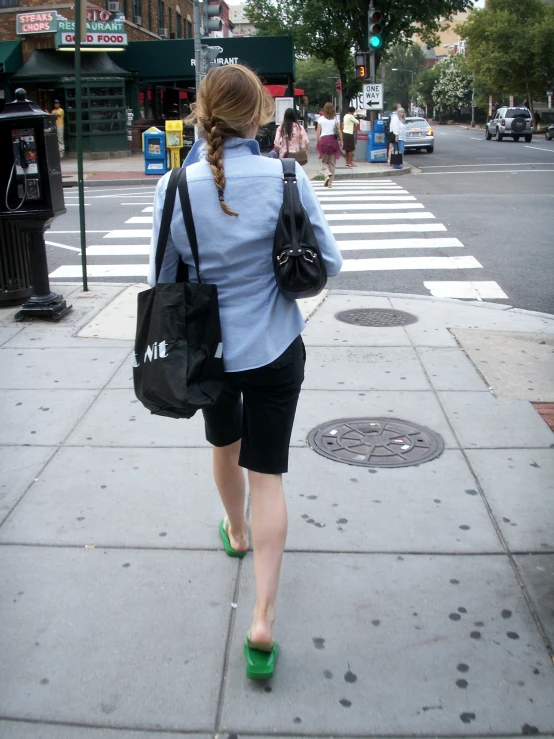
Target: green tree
510	48
405	58
317	79
424	86
332	29
452	90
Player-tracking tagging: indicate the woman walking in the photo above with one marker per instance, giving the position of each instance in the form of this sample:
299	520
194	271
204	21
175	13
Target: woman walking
398	128
329	142
236	195
290	135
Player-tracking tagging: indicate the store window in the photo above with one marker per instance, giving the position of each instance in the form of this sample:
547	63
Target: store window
161	14
103	108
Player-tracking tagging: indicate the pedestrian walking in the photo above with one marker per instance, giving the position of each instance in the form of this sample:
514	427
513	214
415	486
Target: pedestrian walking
236	196
291	137
350	124
59	112
328	142
398	128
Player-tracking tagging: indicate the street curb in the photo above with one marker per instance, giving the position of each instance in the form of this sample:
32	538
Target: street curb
480	304
408	169
113	183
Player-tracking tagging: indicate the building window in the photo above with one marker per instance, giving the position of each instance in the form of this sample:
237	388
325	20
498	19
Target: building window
136	9
170	17
149	16
161	14
189	30
9	3
178	25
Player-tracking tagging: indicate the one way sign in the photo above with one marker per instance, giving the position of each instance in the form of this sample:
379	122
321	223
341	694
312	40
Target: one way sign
373	97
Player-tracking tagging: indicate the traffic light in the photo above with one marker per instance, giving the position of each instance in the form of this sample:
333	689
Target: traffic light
375	29
211	24
362	67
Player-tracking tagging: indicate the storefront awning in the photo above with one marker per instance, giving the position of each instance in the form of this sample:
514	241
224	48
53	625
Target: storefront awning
48	65
166	62
10	56
280	91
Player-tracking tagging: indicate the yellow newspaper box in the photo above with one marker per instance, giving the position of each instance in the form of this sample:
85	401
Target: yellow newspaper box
174	141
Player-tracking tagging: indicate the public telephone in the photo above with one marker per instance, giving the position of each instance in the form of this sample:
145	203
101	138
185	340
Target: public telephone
25	166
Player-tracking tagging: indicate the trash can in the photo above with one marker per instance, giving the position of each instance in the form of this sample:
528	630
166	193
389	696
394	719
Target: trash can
15	267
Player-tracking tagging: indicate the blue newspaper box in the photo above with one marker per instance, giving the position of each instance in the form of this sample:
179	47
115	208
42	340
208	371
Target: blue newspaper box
376	145
379	126
155	157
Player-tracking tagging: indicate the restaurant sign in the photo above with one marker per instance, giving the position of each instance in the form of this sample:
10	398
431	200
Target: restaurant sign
104	30
45	22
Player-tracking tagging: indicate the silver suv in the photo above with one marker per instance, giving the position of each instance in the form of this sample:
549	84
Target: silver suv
514	122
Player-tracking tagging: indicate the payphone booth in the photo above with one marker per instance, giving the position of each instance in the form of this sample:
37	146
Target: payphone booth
174	142
31	193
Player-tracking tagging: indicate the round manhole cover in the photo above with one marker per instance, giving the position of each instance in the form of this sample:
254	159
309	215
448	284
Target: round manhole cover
376	317
376	442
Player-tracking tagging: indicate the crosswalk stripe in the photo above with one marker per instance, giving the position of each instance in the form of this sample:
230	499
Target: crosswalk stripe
145	202
103	270
369	244
405	263
118	250
128	233
483	290
376	216
365	199
358	182
370	206
139	219
335	195
387	228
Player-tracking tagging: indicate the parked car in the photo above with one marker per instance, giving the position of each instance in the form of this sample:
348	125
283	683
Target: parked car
511	122
549	133
419	134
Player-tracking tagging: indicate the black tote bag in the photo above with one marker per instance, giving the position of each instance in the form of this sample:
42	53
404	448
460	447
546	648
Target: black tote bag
299	268
396	155
178	364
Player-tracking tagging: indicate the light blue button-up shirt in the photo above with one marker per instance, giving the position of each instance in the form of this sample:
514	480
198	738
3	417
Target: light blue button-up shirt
257	322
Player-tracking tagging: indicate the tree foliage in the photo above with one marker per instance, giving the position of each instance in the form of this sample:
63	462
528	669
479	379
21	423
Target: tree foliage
317	79
332	29
424	86
406	58
510	48
452	90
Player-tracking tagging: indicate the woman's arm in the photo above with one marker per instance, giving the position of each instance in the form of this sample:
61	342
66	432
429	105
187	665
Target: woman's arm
304	138
278	137
317	133
330	251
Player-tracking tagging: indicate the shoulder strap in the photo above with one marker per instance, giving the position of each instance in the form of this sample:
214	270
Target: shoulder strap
189	221
167	215
292	210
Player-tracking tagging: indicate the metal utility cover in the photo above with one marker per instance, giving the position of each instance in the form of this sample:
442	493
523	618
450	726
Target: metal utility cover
376	317
376	442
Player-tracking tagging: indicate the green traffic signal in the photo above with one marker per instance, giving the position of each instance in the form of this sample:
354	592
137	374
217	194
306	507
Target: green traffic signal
375	42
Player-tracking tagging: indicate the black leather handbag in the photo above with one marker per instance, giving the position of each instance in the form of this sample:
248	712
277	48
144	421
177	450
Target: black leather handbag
299	269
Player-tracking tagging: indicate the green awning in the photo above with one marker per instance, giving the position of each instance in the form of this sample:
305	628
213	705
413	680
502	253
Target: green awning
48	65
271	57
11	56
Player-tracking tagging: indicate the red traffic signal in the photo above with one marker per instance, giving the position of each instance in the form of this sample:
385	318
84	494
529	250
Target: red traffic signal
338	86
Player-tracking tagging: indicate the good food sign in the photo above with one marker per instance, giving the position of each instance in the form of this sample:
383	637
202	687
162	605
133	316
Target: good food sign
104	30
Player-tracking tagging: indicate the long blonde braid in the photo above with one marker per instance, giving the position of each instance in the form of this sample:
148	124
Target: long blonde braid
231	102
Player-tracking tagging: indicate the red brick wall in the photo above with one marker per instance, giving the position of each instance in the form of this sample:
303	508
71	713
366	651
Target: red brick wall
135	33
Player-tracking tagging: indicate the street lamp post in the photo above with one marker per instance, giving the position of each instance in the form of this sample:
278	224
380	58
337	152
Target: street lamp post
396	69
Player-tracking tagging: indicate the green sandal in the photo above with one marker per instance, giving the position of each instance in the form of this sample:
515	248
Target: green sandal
260	663
227	543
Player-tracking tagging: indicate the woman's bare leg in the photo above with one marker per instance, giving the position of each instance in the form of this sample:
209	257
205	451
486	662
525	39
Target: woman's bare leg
269	533
229	478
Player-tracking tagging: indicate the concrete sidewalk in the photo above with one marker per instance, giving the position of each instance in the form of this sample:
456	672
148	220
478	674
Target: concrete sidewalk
130	170
415	600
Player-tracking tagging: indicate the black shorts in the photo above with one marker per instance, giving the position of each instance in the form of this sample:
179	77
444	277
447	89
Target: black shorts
348	141
263	418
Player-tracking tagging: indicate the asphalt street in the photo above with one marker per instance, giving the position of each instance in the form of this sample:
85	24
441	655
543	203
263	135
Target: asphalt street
474	222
